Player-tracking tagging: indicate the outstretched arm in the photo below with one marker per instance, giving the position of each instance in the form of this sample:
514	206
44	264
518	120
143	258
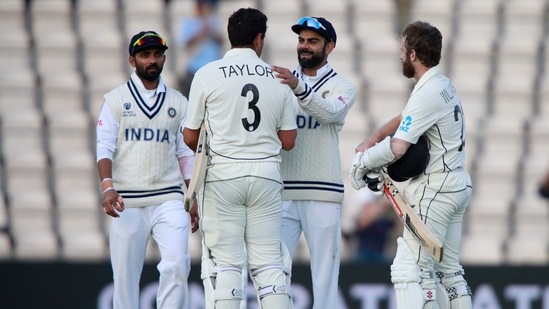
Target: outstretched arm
326	110
380	134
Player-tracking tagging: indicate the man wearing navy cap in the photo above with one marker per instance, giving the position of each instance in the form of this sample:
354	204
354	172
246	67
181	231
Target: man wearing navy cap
142	163
313	184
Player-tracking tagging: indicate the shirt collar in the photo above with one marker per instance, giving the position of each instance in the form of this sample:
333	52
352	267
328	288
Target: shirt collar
319	73
137	81
432	72
240	52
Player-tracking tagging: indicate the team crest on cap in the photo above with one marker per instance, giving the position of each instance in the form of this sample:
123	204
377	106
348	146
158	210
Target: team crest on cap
172	112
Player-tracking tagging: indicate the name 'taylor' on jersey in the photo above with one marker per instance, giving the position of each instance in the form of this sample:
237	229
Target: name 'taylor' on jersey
244	69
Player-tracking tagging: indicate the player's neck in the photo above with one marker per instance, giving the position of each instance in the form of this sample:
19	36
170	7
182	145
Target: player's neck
312	72
420	71
150	85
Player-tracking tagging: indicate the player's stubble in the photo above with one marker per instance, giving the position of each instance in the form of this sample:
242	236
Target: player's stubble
149	73
314	61
407	67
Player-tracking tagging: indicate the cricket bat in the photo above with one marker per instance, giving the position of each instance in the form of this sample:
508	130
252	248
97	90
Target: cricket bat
412	221
199	169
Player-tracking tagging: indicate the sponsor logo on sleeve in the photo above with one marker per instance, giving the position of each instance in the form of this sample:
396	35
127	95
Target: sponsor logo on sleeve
406	124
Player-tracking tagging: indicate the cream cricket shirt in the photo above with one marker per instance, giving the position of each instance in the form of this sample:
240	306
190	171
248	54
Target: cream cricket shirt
243	106
435	108
312	169
139	130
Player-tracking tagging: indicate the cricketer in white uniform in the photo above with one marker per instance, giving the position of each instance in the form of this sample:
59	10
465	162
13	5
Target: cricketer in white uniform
313	184
249	118
442	192
139	144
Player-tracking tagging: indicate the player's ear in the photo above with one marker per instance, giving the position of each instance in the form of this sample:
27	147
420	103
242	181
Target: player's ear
413	55
258	43
258	39
329	47
131	60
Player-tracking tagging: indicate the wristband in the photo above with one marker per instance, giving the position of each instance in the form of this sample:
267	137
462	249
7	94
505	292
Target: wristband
108	189
106	183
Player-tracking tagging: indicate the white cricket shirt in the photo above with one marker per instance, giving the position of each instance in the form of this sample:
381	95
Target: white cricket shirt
243	106
434	108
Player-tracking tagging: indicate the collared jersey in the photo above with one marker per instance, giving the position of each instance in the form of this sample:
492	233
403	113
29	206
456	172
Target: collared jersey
144	140
243	106
434	109
312	169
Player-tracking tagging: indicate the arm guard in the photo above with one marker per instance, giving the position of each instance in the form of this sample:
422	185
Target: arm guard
378	155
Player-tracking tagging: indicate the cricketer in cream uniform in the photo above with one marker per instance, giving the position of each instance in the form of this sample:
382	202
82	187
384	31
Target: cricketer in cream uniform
246	110
139	144
313	184
440	194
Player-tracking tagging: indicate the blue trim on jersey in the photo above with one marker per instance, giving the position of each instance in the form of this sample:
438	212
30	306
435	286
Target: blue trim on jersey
149	111
149	193
313	185
324	79
316	86
306	93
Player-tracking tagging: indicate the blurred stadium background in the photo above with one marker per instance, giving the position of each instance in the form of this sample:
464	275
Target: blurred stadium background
58	57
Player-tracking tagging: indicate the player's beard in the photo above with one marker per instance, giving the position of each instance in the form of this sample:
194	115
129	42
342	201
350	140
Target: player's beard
407	67
146	74
313	62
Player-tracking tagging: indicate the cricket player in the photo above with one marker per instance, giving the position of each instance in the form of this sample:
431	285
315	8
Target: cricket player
142	162
313	186
249	118
441	193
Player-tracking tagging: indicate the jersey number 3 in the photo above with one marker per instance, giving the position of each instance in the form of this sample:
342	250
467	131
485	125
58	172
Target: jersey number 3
252	104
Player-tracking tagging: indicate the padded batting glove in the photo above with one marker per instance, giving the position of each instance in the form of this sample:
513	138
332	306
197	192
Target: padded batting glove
357	172
374	181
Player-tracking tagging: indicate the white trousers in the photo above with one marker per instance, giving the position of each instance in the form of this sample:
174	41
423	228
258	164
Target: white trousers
320	222
168	223
240	216
441	200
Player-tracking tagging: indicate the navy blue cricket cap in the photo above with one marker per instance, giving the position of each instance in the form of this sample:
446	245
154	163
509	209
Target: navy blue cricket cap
318	24
146	40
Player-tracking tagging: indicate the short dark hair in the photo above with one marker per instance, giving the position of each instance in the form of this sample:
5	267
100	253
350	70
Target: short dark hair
426	40
244	25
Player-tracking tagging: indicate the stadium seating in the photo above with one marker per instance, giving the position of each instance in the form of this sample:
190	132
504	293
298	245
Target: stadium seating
59	57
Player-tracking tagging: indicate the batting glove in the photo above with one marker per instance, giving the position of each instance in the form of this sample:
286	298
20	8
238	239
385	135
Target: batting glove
357	172
374	181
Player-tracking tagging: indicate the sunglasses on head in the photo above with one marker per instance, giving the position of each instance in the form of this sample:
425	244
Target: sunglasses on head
310	22
149	38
